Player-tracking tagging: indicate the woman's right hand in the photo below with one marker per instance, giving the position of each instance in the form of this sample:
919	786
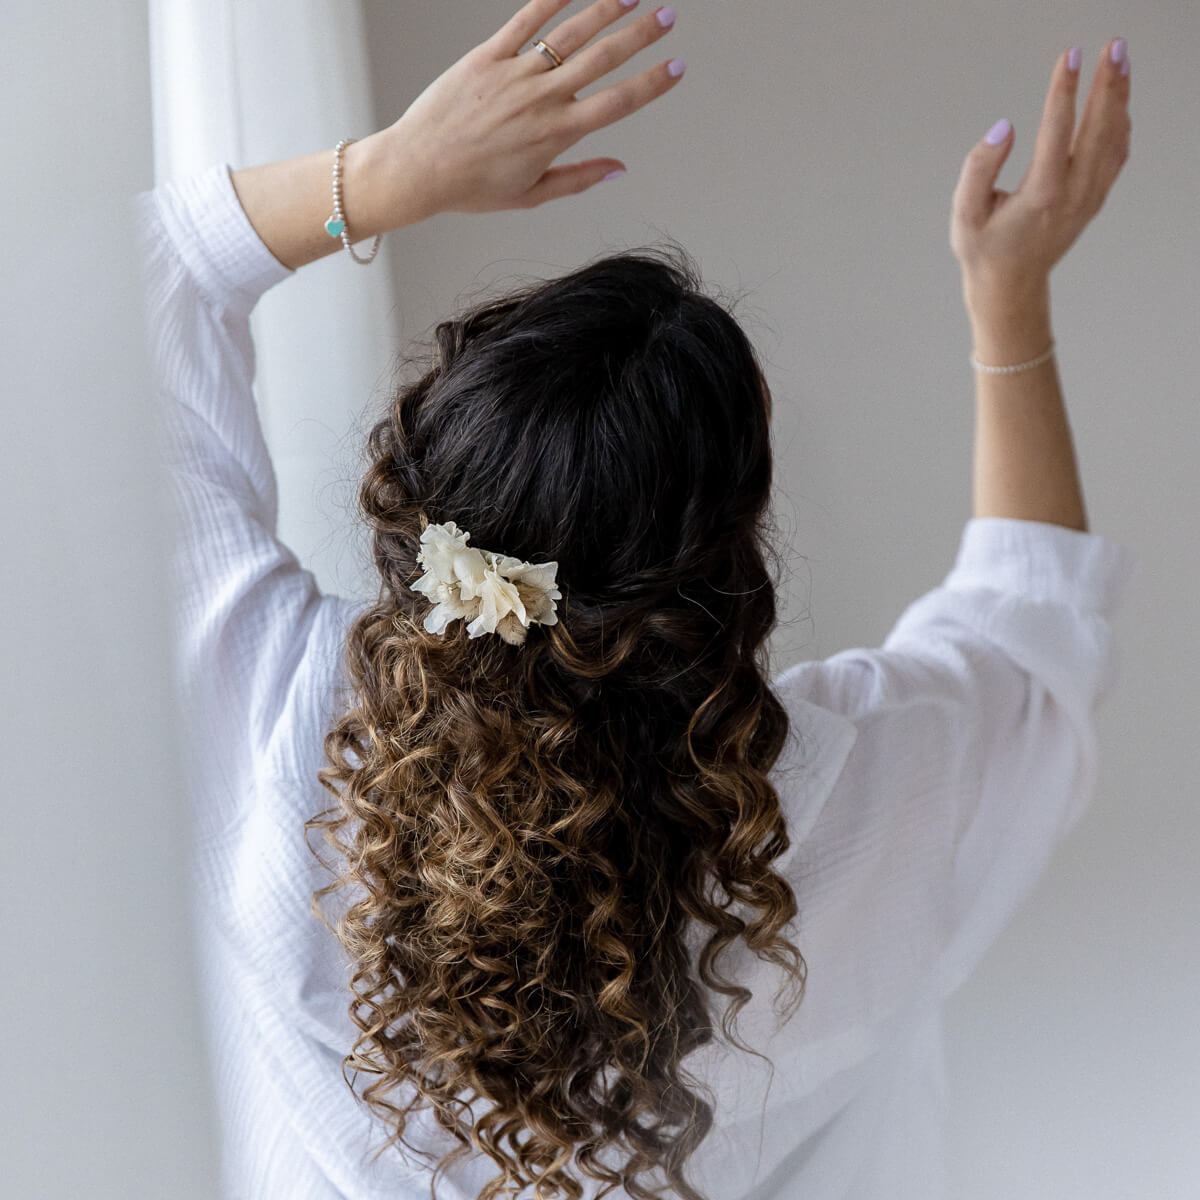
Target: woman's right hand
1006	243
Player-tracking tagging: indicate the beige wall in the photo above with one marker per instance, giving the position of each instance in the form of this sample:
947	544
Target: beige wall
807	159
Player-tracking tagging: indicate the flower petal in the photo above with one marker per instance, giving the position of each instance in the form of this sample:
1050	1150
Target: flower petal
439	545
497	599
468	568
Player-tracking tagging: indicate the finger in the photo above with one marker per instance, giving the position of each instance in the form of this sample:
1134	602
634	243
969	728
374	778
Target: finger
623	98
577	31
609	53
1102	139
975	193
522	26
1051	153
569	179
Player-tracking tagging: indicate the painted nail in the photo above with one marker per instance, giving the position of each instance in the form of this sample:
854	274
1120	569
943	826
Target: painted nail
998	132
618	172
676	67
666	17
628	3
1118	50
1074	58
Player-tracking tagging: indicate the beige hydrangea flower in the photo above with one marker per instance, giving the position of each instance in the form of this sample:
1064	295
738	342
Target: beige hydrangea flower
495	593
453	573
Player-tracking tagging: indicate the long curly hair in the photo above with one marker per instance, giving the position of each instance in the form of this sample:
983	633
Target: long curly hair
528	832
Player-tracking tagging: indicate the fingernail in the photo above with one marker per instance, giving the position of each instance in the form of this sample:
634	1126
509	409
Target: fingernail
666	18
1074	58
998	132
676	67
1117	52
1125	66
619	171
628	3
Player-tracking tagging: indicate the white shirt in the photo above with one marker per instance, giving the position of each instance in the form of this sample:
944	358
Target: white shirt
926	784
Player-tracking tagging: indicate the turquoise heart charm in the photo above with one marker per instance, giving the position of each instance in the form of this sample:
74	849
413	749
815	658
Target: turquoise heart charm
334	227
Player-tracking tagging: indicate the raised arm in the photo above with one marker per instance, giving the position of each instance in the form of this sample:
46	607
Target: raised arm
1007	244
257	642
480	137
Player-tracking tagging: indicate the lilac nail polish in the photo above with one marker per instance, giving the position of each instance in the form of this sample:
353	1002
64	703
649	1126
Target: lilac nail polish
998	132
618	172
666	17
676	67
1074	58
1117	52
628	3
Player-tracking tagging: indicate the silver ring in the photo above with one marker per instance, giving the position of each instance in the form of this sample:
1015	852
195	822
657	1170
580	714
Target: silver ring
548	52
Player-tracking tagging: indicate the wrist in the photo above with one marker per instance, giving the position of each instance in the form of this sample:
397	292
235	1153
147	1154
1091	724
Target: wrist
1010	326
377	194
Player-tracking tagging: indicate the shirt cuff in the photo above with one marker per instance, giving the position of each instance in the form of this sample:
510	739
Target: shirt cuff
1042	562
228	260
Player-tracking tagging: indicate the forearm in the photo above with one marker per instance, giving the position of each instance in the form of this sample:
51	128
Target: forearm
1024	456
288	202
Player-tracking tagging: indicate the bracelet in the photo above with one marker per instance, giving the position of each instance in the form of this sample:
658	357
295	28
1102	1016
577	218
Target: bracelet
336	225
1033	362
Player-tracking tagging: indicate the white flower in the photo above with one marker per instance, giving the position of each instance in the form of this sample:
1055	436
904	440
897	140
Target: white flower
493	592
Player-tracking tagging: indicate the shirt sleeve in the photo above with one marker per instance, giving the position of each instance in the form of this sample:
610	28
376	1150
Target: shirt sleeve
256	642
976	750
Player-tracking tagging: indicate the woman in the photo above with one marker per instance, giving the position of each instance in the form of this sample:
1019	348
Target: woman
574	820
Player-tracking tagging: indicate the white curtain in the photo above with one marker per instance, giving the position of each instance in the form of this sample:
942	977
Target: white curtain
246	82
104	1091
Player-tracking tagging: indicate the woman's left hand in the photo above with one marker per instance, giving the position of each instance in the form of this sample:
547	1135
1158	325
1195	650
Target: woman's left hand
483	135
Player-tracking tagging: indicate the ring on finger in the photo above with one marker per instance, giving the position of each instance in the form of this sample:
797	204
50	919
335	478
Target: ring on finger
549	53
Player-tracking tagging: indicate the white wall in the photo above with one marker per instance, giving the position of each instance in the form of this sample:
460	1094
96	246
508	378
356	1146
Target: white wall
808	157
104	1092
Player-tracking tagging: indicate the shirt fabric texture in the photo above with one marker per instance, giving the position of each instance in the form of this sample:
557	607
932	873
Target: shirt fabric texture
925	782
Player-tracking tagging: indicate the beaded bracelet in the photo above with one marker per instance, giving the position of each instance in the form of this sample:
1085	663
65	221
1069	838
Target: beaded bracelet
336	225
1033	362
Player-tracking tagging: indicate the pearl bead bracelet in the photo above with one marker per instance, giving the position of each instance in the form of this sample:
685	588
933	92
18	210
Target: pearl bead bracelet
1033	362
336	225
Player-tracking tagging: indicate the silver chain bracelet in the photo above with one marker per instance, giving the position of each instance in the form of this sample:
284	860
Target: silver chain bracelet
336	225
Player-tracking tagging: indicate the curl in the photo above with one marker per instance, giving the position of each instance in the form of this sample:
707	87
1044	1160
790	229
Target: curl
528	833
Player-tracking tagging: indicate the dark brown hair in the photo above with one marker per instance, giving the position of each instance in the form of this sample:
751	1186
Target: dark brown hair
529	831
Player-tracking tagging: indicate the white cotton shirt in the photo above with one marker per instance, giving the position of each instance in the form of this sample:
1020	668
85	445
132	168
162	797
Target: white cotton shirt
926	784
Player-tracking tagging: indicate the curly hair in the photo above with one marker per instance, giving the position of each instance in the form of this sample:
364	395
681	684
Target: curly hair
530	829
